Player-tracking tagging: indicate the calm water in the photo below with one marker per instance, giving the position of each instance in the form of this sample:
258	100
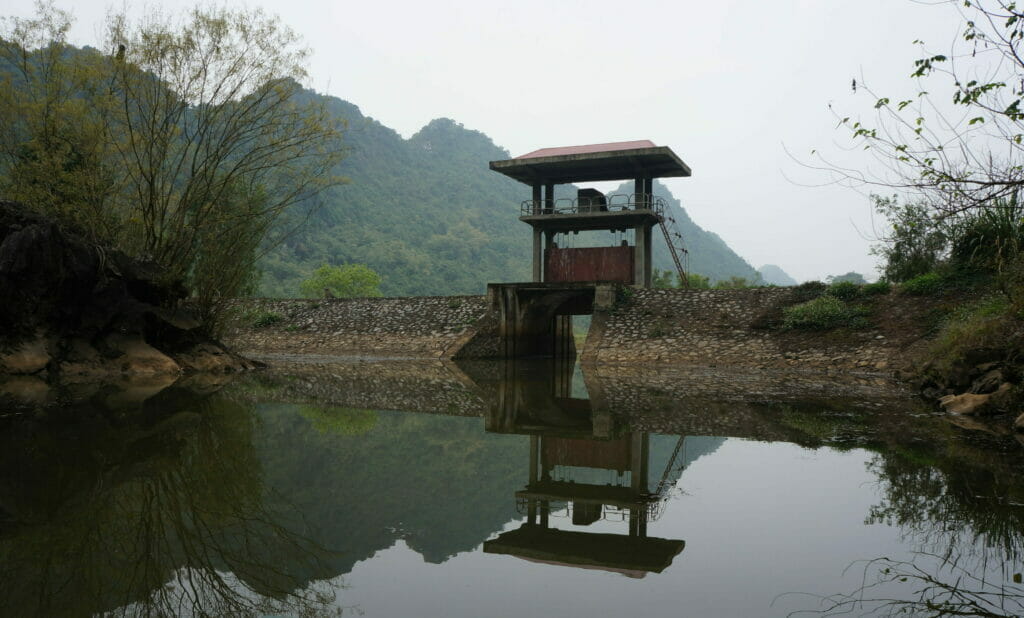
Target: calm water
429	490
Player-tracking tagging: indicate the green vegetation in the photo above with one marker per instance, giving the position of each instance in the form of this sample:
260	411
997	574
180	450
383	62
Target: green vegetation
348	281
923	285
824	313
877	288
340	421
978	325
135	152
844	290
267	318
669	279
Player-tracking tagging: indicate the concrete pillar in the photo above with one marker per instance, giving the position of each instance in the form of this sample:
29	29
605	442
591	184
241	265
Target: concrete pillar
640	253
549	197
648	254
638	190
536	199
538	255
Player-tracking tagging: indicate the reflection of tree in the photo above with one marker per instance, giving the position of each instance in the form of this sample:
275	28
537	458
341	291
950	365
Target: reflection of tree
961	511
342	421
940	587
950	507
171	519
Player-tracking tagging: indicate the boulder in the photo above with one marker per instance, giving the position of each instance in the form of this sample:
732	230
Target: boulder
966	403
81	311
978	404
988	382
1019	423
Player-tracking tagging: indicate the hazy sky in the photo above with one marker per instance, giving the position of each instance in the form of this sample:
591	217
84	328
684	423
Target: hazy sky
730	85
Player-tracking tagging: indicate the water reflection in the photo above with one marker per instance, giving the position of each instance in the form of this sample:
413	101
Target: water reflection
146	506
585	465
265	495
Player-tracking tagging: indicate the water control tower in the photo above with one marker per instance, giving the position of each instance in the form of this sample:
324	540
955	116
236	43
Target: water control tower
590	210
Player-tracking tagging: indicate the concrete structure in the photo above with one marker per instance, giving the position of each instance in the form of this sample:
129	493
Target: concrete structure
535	318
640	211
694	328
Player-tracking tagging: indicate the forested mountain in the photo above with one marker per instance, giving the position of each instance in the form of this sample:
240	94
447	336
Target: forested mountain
426	212
429	215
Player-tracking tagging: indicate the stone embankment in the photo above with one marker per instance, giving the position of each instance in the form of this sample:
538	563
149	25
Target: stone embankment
727	328
705	328
413	327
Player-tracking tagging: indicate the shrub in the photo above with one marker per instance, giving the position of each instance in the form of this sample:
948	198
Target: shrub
923	285
267	318
844	290
980	325
808	290
823	313
878	288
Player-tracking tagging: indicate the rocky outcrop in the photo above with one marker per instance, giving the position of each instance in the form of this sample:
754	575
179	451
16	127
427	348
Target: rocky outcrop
73	309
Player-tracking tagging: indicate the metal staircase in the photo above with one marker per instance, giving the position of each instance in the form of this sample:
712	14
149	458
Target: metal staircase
674	240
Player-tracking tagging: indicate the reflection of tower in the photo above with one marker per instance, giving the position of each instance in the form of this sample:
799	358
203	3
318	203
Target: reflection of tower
584	465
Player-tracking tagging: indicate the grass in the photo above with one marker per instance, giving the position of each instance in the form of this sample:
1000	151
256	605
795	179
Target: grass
823	313
982	324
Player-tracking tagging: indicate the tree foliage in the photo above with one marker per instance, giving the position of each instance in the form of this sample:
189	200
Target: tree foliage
186	143
348	281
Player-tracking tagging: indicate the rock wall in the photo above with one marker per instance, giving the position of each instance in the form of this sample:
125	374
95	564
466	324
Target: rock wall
412	327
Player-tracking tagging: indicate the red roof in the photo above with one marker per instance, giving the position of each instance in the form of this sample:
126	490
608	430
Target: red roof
588	148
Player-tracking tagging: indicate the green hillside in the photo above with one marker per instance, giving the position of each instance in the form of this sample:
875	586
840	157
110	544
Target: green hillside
429	215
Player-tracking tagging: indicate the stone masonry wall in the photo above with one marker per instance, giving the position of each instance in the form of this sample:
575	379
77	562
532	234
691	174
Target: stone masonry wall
708	328
719	328
413	327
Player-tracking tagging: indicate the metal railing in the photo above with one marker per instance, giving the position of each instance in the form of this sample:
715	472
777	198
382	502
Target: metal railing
652	509
582	205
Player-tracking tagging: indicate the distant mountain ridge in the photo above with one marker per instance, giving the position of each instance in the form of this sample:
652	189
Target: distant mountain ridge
774	275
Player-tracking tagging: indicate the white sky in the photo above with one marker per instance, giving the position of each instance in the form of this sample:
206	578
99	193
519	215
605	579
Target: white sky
730	85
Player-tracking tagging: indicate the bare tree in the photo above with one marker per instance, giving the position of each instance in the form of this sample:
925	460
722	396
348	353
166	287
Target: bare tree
958	153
